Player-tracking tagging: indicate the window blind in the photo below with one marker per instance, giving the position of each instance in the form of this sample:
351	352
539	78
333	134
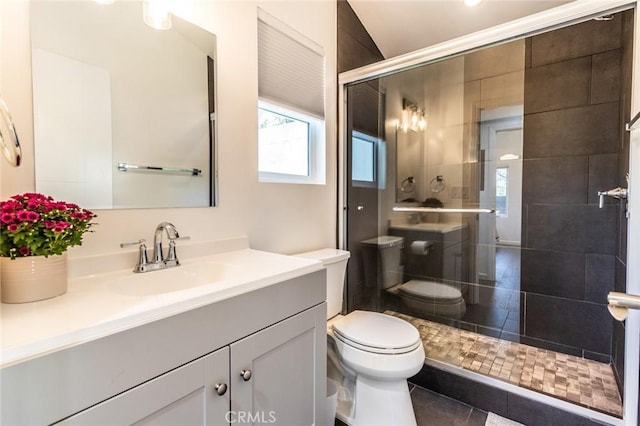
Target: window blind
290	71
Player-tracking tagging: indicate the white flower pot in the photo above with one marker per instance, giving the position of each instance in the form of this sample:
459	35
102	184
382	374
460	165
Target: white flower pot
32	278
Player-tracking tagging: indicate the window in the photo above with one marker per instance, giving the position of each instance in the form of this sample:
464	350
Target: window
368	158
288	145
502	190
291	145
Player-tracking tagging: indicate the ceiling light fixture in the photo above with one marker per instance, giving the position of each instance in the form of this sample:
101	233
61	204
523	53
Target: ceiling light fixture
155	13
472	3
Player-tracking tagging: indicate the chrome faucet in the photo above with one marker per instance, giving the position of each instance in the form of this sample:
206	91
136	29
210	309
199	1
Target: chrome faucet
159	260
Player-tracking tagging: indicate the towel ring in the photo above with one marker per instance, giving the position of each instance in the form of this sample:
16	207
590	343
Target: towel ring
9	143
408	185
437	184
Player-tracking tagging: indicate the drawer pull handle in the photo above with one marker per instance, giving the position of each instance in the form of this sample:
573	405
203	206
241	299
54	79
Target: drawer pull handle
220	388
246	375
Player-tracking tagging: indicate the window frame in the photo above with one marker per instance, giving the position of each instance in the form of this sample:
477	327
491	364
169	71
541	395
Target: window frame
379	161
315	145
506	190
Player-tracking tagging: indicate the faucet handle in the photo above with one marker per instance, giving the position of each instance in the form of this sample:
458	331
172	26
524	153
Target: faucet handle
171	255
142	254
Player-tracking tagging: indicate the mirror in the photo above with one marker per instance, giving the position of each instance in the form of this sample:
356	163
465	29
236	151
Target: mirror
9	143
124	114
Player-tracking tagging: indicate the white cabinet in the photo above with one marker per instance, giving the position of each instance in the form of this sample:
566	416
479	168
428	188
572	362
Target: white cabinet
269	377
165	371
185	396
273	373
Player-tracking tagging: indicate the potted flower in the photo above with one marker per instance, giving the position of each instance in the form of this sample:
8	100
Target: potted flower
35	233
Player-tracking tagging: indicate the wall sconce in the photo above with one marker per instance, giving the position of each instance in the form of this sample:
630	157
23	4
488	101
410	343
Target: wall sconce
155	13
413	118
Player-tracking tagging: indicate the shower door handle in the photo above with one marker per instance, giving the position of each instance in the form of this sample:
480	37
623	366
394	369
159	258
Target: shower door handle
620	303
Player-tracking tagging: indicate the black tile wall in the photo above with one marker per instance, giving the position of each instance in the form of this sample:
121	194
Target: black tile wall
575	41
587	130
605	77
576	101
600	277
603	175
556	86
571	228
553	273
356	48
579	324
541	178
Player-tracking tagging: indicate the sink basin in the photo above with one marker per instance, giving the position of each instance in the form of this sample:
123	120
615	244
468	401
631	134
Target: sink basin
173	279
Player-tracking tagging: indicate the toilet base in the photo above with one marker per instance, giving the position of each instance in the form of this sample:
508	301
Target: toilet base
376	403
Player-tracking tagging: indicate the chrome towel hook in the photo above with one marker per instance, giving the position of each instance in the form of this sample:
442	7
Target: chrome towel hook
9	143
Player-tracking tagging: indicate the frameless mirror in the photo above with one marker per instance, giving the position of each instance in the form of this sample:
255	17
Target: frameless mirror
124	114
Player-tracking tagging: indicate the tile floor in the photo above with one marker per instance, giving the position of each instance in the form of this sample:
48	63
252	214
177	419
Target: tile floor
578	380
432	409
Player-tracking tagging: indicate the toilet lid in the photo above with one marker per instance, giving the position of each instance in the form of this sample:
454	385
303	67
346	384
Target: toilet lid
431	290
376	332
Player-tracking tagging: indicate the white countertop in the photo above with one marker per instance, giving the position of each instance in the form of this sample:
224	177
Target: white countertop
98	305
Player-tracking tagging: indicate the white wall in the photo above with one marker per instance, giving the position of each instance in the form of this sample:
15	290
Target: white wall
283	218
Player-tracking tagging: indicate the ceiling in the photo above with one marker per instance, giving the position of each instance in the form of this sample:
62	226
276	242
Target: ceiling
402	26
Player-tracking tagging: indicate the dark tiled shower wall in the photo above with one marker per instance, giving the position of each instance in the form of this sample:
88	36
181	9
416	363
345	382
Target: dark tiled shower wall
575	102
356	48
620	284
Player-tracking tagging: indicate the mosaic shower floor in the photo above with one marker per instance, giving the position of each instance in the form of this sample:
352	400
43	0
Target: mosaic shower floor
577	380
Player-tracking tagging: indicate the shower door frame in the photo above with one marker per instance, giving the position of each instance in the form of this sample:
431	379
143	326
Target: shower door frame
534	24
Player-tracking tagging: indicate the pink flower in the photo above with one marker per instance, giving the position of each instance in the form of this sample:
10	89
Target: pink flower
7	217
49	224
24	251
13	227
33	216
23	215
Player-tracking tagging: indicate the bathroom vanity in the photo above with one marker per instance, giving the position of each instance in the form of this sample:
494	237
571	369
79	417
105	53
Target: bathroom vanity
247	341
449	256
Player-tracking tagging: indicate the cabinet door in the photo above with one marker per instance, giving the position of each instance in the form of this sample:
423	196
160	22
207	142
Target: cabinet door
278	375
184	396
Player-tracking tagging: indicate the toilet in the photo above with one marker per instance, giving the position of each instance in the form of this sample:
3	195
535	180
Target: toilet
370	354
421	296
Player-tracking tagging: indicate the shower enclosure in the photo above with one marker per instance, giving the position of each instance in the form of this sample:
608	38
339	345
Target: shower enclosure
471	174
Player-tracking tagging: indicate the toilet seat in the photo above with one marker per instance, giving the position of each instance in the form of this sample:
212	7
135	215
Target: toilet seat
432	291
376	333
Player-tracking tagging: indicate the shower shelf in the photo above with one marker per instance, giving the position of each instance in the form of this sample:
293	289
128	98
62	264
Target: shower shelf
440	210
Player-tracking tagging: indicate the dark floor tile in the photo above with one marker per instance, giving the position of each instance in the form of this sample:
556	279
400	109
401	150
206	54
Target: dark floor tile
476	418
433	409
478	395
588	130
486	315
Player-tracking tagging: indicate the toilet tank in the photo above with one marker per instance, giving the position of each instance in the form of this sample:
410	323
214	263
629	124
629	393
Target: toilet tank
382	258
335	261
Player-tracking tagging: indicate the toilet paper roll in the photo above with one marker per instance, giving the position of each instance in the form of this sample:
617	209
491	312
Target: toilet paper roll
421	248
